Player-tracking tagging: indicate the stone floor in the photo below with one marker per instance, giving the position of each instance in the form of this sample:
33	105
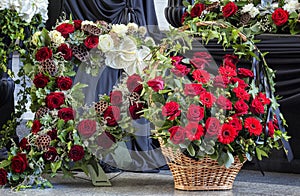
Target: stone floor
127	183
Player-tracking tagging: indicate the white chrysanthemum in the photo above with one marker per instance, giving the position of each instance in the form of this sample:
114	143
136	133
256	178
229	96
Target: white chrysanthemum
106	43
56	37
119	29
4	4
35	39
251	9
292	6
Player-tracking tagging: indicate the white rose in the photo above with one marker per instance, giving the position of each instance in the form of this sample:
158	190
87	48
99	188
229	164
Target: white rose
132	27
119	29
106	43
36	38
56	37
4	4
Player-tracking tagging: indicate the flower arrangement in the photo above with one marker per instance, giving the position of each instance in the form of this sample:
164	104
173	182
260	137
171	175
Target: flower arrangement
252	16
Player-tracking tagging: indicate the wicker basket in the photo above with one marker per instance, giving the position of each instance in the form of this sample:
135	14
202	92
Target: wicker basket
205	174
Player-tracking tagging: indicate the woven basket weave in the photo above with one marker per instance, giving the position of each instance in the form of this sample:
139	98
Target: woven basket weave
204	174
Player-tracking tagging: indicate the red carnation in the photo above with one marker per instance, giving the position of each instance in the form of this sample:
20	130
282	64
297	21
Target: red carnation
241	107
227	134
236	123
65	51
271	129
199	63
66	114
3	177
64	83
263	98
220	81
194	131
253	125
77	24
50	155
87	128
19	163
197	10
230	58
193	89
24	144
177	134
54	100
36	127
171	110
65	29
257	107
195	113
112	115
116	97
180	70
40	80
229	9
201	76
207	99
241	83
133	83
135	110
280	16
212	126
76	153
224	103
227	71
176	59
245	73
156	84
241	93
43	54
91	41
105	140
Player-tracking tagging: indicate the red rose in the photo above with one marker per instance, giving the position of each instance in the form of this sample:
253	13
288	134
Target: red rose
176	59
76	153
245	73
241	83
241	107
77	24
212	126
220	81
271	129
135	110
253	125
65	29
201	76
227	71
3	177
116	97
241	93
66	114
230	58
171	110
54	100
183	17
43	54
236	123
24	144
51	155
203	55
199	63
91	41
87	128
193	89
229	9
227	134
207	99
64	83
19	163
177	134
194	131
263	99
65	51
52	134
197	10
280	16
224	103
40	80
180	70
133	83
257	107
36	127
195	113
112	115
156	84
105	140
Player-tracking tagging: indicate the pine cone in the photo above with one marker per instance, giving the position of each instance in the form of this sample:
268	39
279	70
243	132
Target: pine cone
48	66
245	18
42	111
92	29
80	52
101	106
43	142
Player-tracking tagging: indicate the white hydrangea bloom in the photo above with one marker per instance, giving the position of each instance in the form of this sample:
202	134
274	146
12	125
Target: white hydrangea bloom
4	4
251	9
292	6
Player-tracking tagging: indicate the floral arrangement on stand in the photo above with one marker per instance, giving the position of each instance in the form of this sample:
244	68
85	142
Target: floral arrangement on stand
18	20
253	17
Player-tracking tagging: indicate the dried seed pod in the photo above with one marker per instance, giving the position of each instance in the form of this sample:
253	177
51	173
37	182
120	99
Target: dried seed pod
43	142
42	111
80	52
48	66
92	29
101	106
